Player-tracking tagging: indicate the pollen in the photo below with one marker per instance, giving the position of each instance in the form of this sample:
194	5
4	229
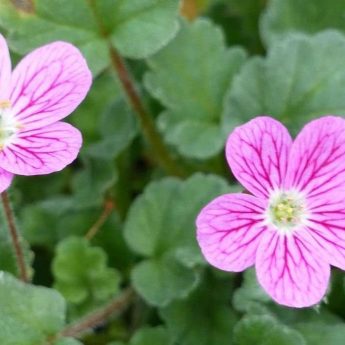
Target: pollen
9	127
286	211
5	104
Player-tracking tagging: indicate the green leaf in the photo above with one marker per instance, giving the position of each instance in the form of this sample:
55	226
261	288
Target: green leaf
81	272
160	281
265	330
250	293
71	21
105	89
67	341
204	318
284	86
141	27
29	314
160	226
283	17
319	333
90	24
190	77
91	184
151	336
118	128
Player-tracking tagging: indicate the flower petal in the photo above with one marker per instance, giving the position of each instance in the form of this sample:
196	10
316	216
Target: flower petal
257	154
48	84
5	70
317	157
42	151
228	231
327	226
5	179
291	270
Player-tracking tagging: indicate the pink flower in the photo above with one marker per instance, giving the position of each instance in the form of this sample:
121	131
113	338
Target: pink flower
46	86
292	227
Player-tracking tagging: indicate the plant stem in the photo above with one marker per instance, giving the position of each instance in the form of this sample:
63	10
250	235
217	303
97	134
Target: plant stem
108	208
116	306
150	131
18	250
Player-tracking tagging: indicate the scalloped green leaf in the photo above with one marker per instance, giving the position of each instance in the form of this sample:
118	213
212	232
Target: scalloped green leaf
301	78
151	336
319	333
283	17
137	28
204	318
190	77
265	330
29	314
160	227
142	27
250	293
81	273
68	341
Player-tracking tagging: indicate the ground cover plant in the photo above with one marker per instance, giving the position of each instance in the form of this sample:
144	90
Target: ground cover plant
172	172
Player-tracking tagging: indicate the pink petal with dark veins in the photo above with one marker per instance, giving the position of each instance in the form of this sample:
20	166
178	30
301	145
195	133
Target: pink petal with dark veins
5	70
43	150
327	226
48	84
291	269
229	230
317	158
5	179
257	153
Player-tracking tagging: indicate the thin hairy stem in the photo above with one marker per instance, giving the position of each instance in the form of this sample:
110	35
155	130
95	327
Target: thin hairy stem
18	250
115	307
161	152
108	208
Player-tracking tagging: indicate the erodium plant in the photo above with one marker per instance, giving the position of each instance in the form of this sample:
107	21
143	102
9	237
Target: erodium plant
46	86
290	224
125	223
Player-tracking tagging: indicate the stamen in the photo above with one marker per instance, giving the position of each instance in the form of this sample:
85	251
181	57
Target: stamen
286	211
5	104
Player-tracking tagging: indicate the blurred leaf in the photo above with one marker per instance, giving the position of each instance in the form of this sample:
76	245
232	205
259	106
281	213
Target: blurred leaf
265	330
67	341
239	20
118	128
88	24
204	318
190	77
87	116
249	293
151	336
160	224
29	314
286	87
319	333
283	17
81	272
91	184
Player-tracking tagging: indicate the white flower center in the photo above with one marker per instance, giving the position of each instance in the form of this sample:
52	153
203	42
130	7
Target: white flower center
286	211
8	125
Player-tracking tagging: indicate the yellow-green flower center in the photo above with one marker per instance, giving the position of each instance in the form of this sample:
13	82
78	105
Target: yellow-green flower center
8	125
286	210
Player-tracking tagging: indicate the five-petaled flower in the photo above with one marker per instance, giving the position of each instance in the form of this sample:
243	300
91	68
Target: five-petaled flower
46	86
292	226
